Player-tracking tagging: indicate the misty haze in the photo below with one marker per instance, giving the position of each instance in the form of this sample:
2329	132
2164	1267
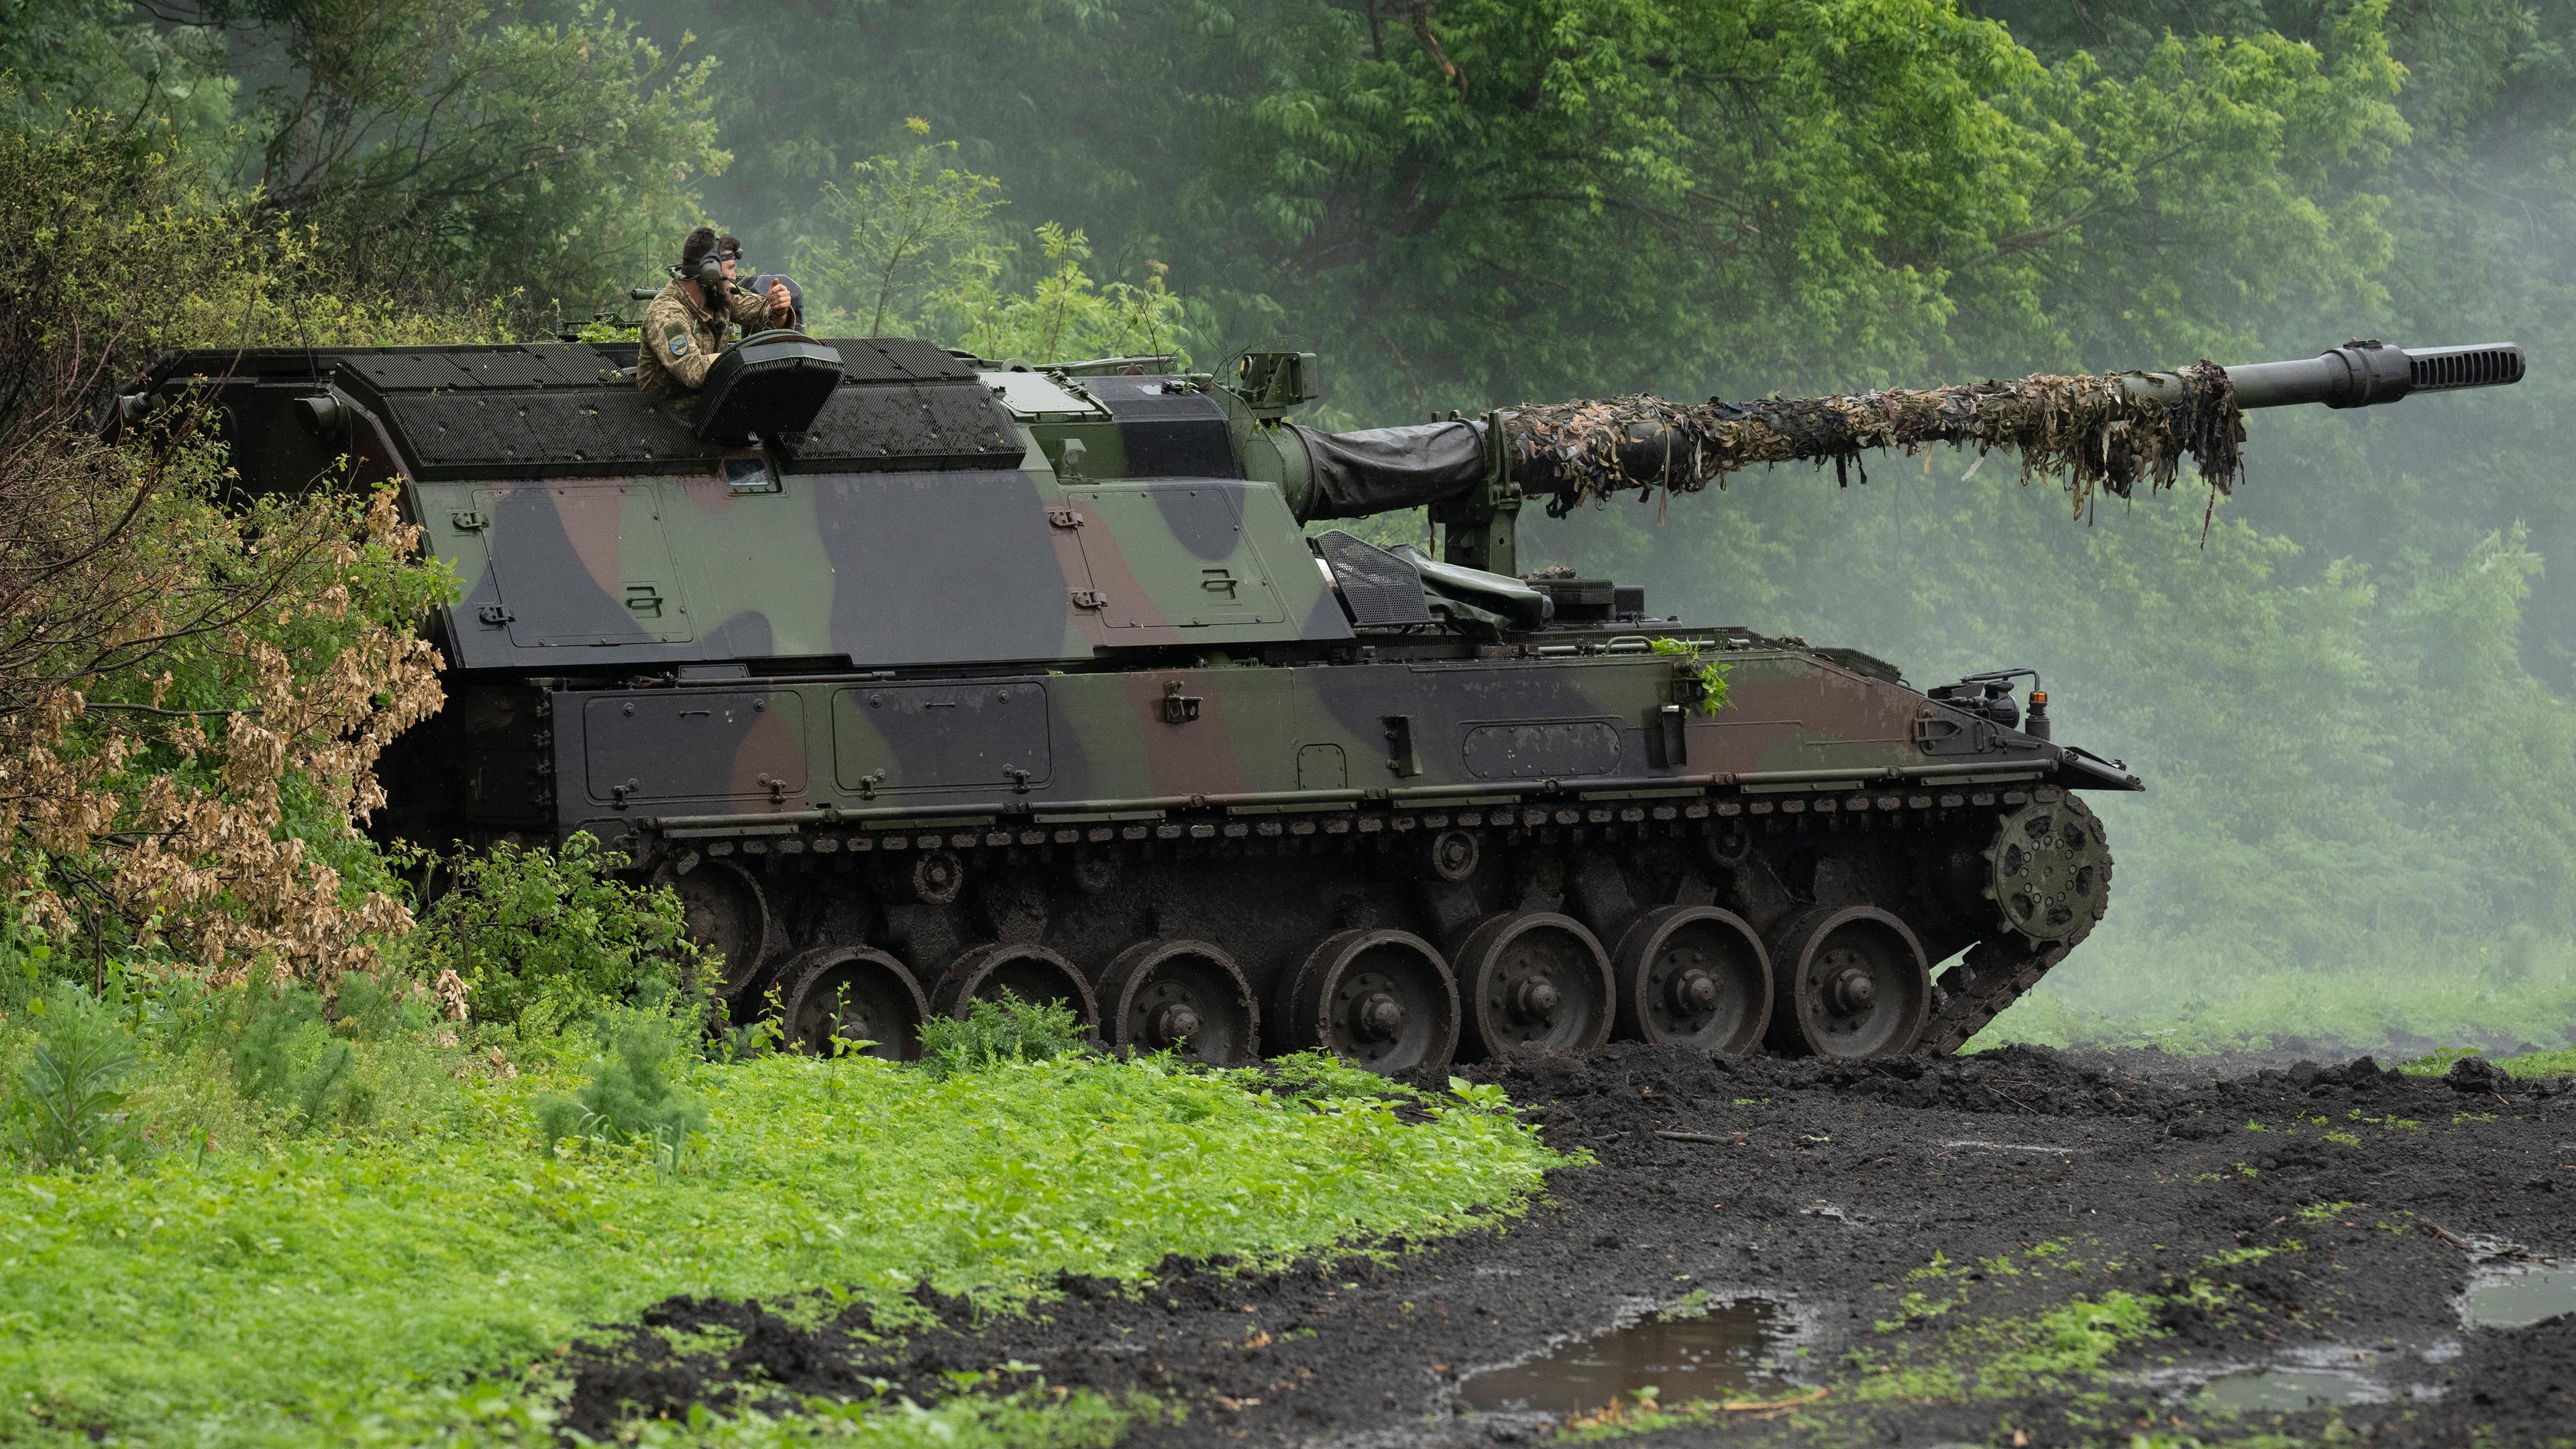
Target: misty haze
1424	723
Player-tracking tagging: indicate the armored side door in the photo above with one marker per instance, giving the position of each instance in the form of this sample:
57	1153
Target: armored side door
1173	558
568	562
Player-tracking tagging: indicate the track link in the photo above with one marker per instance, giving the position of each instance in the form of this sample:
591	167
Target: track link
1995	974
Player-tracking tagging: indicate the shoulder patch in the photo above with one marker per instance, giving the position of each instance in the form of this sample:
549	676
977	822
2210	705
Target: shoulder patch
679	346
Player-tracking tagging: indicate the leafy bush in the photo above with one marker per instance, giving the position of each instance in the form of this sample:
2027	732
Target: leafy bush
540	939
910	231
286	1057
194	685
994	1032
26	961
370	1008
65	1109
260	1063
1066	314
913	246
263	1054
632	1096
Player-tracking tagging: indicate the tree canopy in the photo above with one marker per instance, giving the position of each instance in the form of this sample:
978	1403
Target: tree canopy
1482	198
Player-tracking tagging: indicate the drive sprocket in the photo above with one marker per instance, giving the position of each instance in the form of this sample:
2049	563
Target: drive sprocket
2049	870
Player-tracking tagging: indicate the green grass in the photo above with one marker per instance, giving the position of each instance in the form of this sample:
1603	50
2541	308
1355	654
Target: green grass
2070	1341
1956	1354
1033	1419
2116	992
2529	1064
411	1286
2540	1064
2010	1356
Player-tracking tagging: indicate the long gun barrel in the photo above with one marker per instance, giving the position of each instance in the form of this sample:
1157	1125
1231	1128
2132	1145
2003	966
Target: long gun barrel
2358	375
2100	433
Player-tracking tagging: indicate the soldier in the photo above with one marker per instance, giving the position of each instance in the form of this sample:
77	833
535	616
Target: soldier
684	328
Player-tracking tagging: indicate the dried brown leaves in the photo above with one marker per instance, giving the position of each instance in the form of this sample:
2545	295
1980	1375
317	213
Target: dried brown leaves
170	828
194	686
2091	431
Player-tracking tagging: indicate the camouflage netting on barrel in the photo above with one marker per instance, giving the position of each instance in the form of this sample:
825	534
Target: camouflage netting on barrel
2092	432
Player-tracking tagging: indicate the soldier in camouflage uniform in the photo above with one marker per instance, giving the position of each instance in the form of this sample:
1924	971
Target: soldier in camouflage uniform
684	329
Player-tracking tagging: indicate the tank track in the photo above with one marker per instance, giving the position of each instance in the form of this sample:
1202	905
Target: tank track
1266	891
2002	968
1996	973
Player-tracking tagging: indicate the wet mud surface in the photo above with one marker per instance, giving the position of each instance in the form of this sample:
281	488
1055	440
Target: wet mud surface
2120	1251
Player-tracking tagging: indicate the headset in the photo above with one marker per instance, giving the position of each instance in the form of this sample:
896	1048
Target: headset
709	274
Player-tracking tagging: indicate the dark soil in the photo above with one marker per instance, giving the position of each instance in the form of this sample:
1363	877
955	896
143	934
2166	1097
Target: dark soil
1825	1188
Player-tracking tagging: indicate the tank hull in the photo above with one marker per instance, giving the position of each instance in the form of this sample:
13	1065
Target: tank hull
1261	811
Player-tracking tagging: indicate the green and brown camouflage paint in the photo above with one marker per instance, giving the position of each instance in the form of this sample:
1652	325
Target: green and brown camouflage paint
1040	670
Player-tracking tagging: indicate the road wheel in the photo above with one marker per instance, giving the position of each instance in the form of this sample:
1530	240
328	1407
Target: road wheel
1383	1000
726	915
1032	973
1185	997
1847	982
856	994
1533	981
1693	976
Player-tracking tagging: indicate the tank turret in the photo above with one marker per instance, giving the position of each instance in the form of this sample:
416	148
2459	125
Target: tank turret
923	678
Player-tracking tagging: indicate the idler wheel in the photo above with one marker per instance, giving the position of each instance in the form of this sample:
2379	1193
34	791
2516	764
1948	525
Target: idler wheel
1183	997
1848	982
1383	1000
1533	981
2049	870
726	914
1030	972
1693	976
856	994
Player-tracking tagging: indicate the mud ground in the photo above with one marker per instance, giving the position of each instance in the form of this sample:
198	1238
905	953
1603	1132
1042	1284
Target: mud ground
1825	1188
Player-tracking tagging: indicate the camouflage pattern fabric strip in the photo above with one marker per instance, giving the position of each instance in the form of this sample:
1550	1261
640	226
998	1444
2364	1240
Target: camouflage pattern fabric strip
2091	430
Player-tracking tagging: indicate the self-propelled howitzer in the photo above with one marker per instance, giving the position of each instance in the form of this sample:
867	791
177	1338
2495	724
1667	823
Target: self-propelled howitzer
921	679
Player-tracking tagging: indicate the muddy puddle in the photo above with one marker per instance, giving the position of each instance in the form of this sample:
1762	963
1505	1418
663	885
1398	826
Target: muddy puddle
2322	1377
2287	1390
2520	1296
1685	1353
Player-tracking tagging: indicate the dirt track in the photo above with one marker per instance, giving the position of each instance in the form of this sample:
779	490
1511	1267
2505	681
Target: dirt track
1824	1189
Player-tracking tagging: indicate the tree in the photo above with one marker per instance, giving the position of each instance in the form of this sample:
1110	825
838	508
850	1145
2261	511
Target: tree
917	248
73	58
193	688
445	147
911	233
1472	201
1065	315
